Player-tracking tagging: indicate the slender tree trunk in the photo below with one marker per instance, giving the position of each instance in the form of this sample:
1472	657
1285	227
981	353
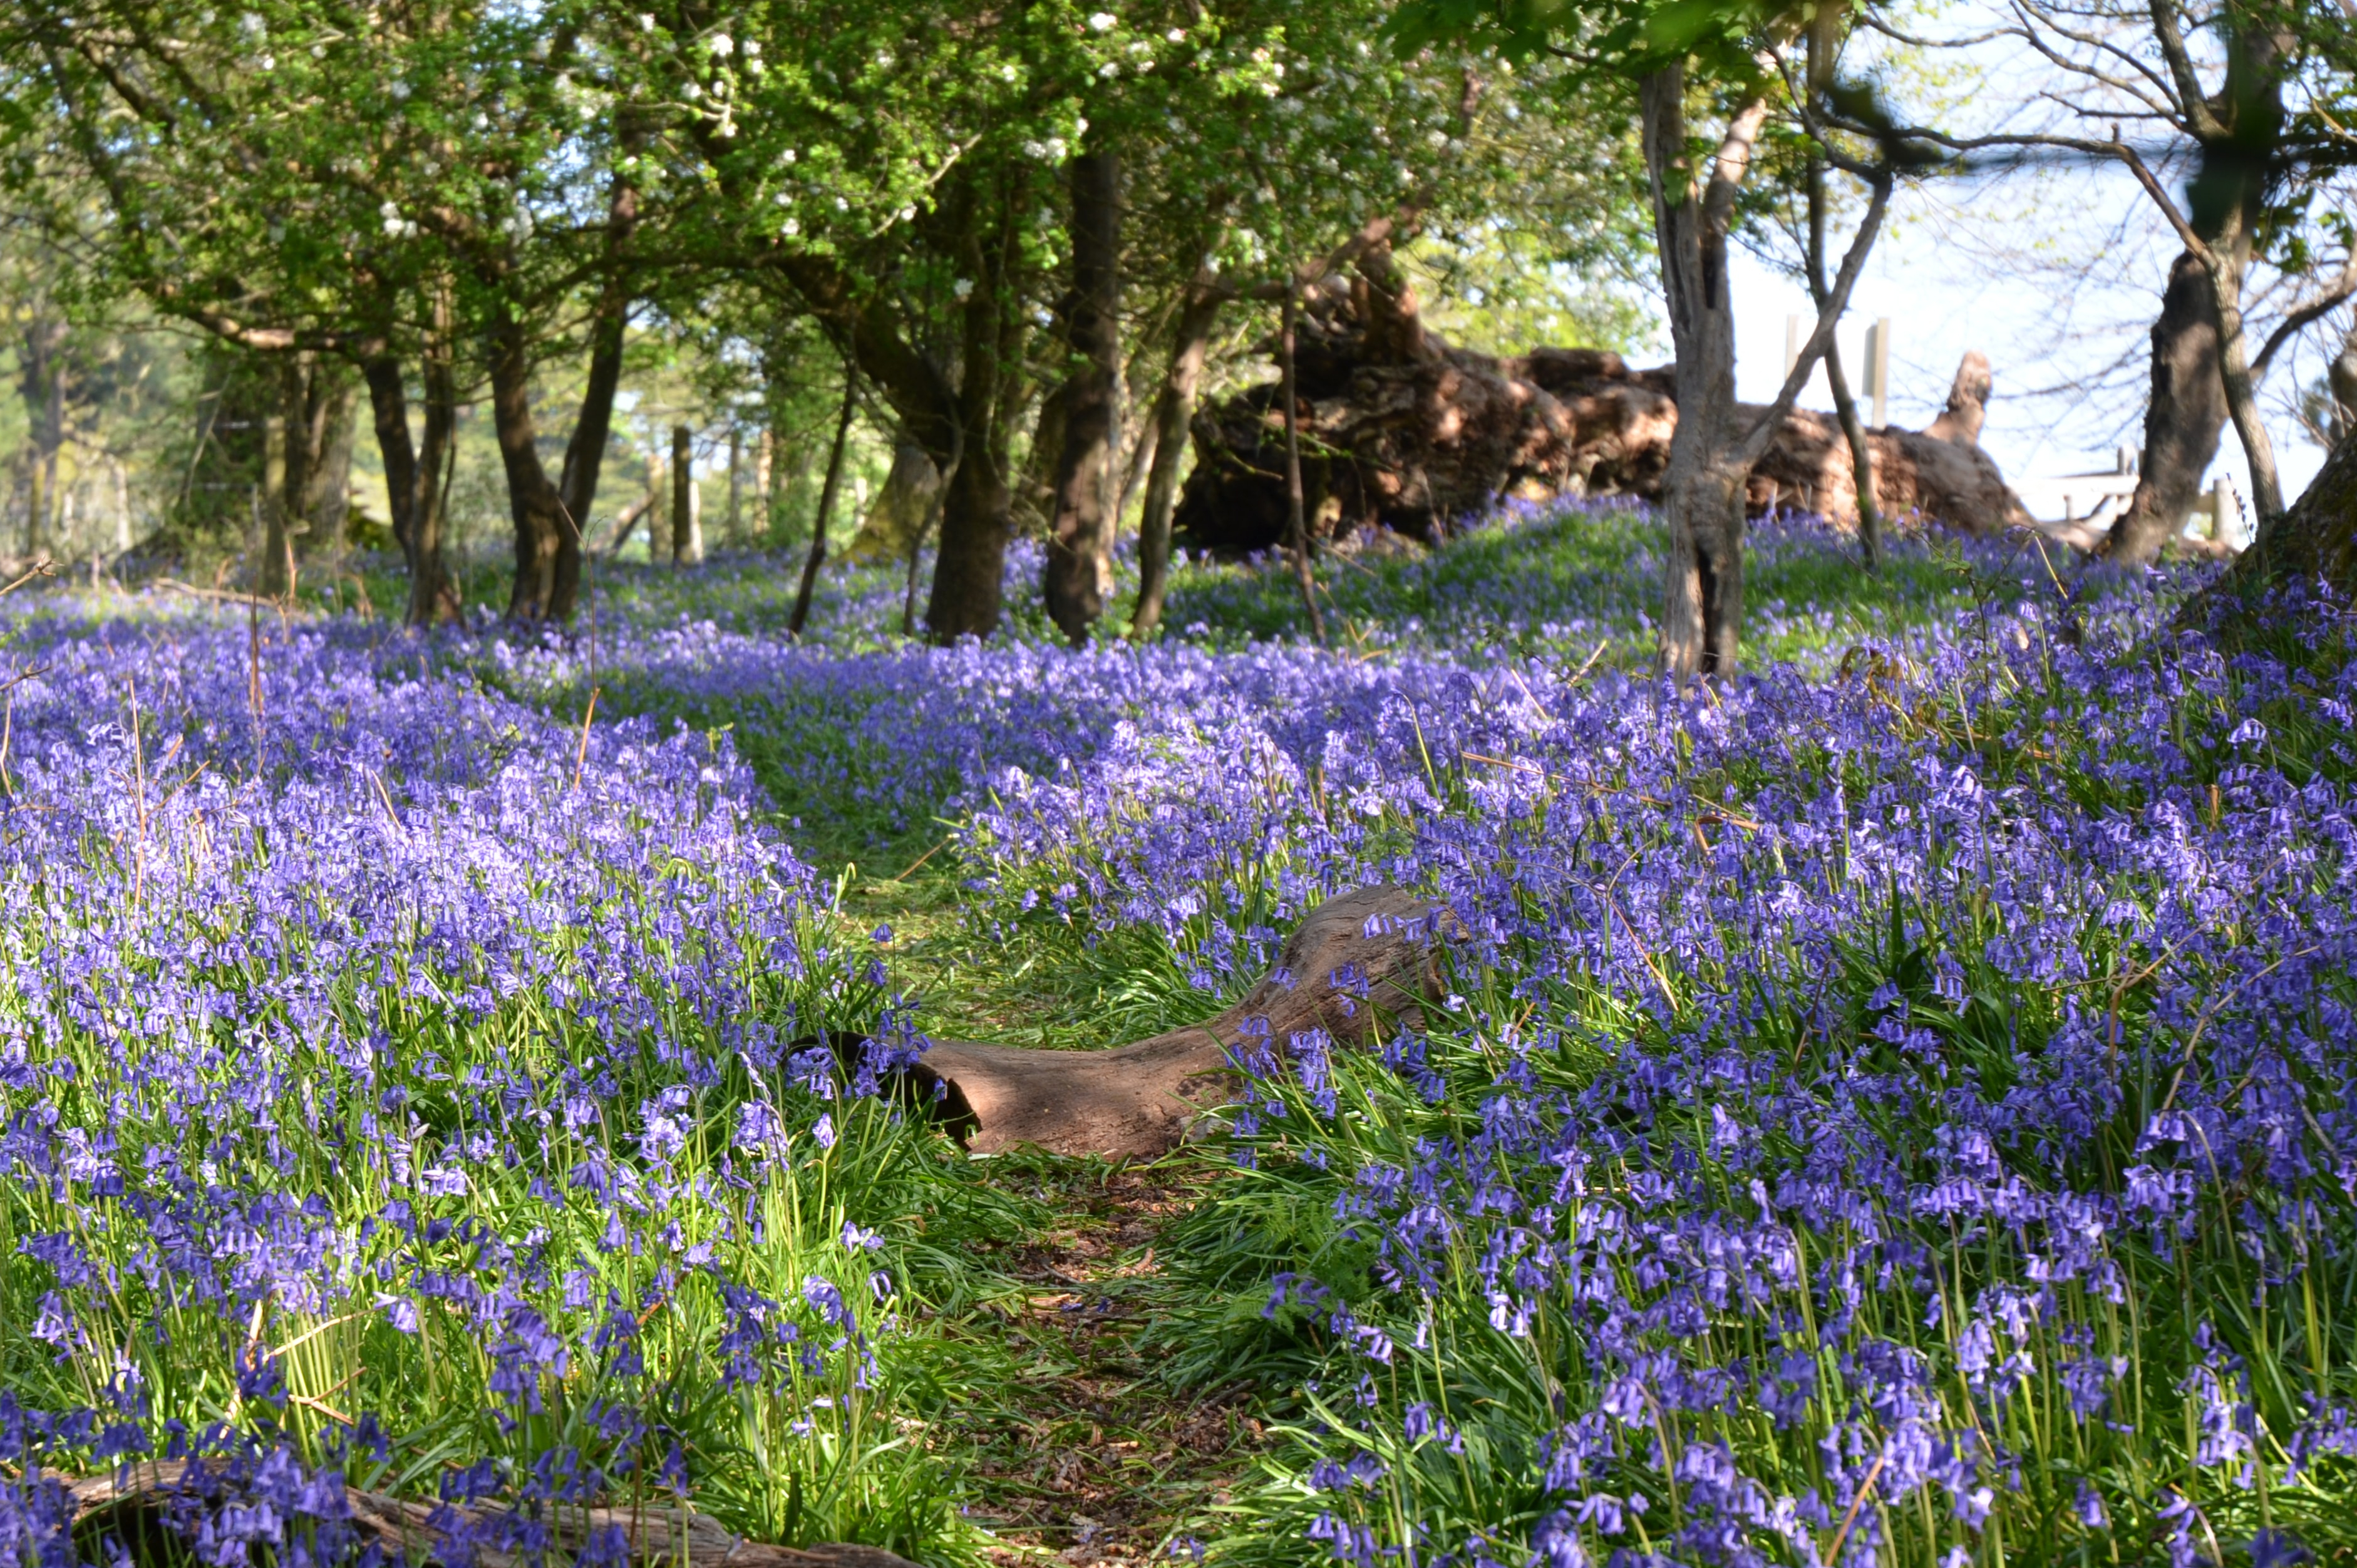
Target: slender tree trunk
1297	525
35	502
285	487
585	451
2182	420
410	485
1079	541
2225	269
1861	453
1174	410
826	493
736	461
533	504
686	512
42	374
1702	489
765	463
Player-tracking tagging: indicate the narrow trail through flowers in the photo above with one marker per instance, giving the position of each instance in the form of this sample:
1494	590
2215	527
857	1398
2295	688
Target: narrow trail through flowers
1084	1453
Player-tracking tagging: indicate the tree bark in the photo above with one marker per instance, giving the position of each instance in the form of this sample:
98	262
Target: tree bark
1861	452
542	540
1079	542
1702	489
410	485
686	512
1712	453
41	372
1174	409
2315	541
735	460
978	512
826	492
2201	374
2182	420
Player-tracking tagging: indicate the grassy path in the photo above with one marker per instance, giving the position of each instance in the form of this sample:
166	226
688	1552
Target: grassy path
1076	1447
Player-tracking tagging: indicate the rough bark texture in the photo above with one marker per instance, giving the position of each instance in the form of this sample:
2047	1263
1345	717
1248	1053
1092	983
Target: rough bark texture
533	504
2183	419
2315	541
686	501
411	489
1357	954
1959	422
978	508
896	519
1080	535
126	1507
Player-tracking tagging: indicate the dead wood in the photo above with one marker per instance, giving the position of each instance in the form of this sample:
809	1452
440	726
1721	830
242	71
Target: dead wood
1356	954
1403	431
417	1531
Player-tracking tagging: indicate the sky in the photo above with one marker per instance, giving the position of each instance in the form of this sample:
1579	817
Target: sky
1944	277
2054	272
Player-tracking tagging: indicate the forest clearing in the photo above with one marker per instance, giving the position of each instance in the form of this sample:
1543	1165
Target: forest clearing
851	785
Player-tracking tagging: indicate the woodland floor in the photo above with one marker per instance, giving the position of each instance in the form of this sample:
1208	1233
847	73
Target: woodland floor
1079	1450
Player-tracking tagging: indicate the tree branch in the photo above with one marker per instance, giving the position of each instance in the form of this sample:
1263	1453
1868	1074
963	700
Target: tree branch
1757	439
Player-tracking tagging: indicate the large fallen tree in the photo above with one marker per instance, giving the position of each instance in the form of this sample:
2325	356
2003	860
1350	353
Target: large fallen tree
1402	430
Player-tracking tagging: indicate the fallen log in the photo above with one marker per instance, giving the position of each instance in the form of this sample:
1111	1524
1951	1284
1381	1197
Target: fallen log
412	1532
1355	955
1404	431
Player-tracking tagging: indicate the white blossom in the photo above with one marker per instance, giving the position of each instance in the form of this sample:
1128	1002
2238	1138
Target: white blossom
721	45
1103	22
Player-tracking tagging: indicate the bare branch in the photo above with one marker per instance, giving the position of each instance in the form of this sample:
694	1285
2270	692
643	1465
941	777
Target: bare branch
1756	441
2292	325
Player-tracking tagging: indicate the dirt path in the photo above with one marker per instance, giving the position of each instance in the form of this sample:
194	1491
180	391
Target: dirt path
1085	1453
1093	1456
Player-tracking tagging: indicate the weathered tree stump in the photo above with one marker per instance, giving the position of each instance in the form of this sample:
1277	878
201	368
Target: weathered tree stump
1356	954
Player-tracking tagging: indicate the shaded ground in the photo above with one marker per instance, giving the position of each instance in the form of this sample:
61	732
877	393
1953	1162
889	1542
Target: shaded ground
1075	1446
1091	1455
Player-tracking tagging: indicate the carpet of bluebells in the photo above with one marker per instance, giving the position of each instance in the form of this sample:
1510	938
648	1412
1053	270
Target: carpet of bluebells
1895	1107
397	1082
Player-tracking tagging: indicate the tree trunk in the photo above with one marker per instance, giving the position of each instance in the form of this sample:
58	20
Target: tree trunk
585	452
410	486
285	487
978	512
1297	524
2182	420
736	458
1702	489
542	540
1079	537
765	462
42	376
1174	409
1861	453
2200	376
686	510
826	492
2315	541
